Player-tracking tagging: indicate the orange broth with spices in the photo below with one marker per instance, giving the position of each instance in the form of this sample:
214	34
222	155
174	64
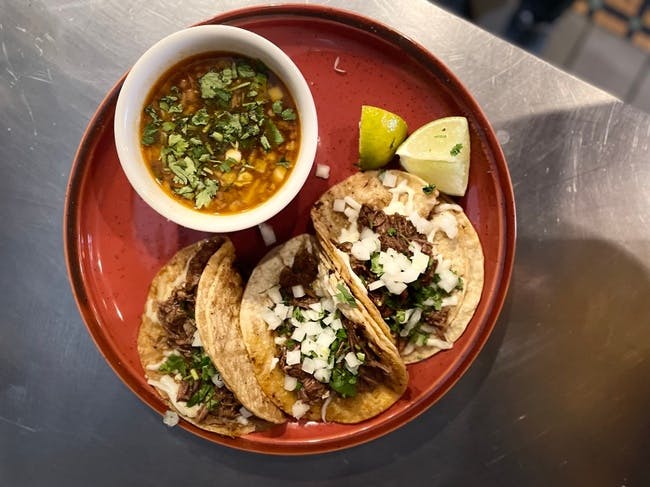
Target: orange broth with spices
220	133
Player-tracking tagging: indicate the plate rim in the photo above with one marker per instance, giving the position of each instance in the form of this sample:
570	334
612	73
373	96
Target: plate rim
104	114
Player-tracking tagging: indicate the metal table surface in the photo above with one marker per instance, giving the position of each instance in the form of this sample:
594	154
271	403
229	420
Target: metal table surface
560	393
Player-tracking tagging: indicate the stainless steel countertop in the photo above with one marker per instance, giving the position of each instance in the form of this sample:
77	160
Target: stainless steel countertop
559	395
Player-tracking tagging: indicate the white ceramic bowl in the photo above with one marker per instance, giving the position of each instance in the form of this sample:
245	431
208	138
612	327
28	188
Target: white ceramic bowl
153	64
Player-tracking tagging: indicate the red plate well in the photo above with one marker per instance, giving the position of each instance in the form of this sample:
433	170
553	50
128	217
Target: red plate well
115	243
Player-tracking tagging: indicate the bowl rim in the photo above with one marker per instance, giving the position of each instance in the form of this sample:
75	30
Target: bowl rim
152	65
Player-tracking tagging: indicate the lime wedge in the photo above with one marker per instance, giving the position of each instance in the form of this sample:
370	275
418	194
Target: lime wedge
439	153
380	133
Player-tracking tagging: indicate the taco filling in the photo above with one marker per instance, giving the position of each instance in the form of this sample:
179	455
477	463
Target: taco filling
322	353
412	287
186	374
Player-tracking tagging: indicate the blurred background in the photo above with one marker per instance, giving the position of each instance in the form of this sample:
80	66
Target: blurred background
604	42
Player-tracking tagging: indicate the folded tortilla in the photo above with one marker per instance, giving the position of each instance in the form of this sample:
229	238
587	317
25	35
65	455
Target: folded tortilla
193	303
316	352
375	226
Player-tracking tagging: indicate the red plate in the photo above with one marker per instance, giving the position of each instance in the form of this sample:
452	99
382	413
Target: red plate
115	243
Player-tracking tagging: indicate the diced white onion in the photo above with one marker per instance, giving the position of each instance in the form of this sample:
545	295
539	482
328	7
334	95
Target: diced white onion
437	342
281	310
312	328
271	319
308	346
351	214
280	340
298	334
298	291
448	280
293	357
290	383
328	305
339	206
394	287
421	224
274	294
352	362
360	251
420	262
299	409
323	375
322	171
241	420
311	315
273	363
389	180
217	380
412	321
318	307
352	203
375	285
171	418
196	339
336	324
326	338
245	412
308	365
449	301
268	235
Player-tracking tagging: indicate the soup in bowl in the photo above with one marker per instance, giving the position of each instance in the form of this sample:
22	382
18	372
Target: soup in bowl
216	128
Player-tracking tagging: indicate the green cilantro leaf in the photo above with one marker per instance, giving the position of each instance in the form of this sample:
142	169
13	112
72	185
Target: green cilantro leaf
207	194
455	150
284	162
275	134
344	382
201	117
375	266
344	295
150	134
277	106
288	114
428	189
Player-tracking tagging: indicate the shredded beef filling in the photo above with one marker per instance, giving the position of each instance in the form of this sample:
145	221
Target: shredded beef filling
303	272
372	372
176	315
396	232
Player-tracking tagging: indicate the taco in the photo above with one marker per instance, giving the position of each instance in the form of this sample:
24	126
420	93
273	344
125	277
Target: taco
317	353
208	383
411	257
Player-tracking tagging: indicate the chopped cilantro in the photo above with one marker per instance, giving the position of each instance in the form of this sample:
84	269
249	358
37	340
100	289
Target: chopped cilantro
343	382
288	114
455	150
428	189
201	117
344	295
205	196
375	266
391	232
297	314
265	143
245	71
277	106
275	134
150	134
175	364
283	162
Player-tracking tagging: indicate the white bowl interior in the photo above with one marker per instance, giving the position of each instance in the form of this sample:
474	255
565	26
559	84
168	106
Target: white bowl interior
149	69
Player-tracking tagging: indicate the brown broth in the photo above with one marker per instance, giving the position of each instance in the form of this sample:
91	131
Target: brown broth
187	115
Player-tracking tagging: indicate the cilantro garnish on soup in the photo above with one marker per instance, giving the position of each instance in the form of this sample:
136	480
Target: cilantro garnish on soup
220	133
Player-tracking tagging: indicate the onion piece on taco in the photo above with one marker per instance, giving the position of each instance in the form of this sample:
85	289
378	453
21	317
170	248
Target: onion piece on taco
204	384
411	257
317	353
